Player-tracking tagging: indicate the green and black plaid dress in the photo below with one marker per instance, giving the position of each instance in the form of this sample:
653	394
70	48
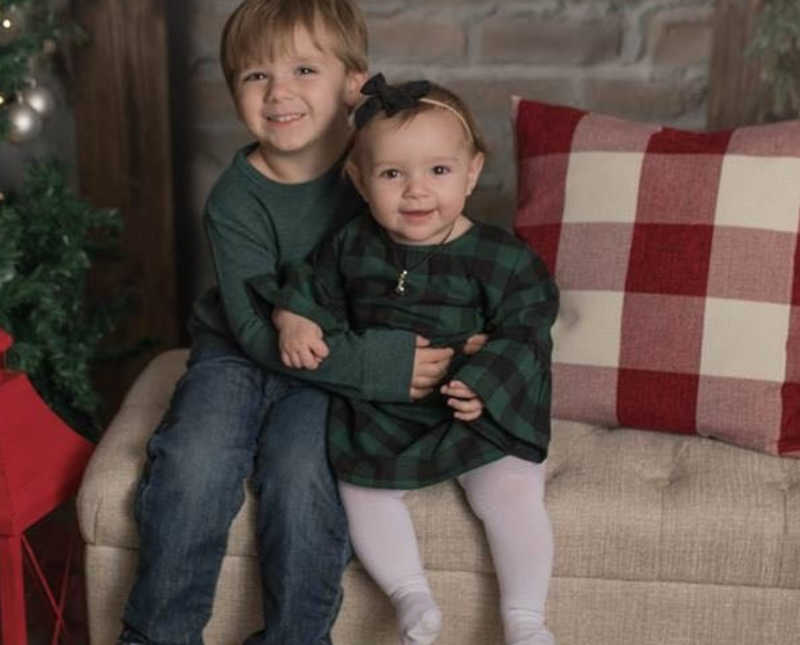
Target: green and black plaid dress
485	280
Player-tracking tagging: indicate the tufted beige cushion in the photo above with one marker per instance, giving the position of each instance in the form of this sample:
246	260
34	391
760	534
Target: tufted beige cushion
660	539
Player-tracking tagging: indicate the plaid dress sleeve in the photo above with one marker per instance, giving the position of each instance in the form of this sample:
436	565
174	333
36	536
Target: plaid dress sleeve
314	288
511	373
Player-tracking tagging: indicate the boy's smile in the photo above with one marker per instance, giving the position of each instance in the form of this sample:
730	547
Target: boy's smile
295	103
417	175
285	118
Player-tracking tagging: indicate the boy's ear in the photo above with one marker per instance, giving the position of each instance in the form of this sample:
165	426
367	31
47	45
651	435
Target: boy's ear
353	84
474	171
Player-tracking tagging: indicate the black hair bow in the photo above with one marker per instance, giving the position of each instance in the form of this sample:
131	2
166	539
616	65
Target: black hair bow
389	98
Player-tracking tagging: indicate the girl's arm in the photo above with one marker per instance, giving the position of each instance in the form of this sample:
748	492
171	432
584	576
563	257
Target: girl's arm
511	373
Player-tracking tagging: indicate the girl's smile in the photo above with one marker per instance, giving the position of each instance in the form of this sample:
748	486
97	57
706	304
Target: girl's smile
416	175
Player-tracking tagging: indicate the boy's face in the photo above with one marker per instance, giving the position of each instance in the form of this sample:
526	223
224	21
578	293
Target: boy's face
416	175
296	103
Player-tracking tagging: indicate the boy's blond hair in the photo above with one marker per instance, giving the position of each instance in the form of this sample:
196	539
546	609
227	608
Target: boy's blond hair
259	29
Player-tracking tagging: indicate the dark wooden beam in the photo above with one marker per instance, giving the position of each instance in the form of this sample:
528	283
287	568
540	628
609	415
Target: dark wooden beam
124	145
734	86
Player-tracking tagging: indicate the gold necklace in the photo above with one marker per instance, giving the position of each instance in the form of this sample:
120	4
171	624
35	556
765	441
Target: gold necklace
400	287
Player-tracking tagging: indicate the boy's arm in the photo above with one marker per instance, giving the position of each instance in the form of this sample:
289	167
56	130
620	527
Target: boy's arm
314	290
244	247
511	373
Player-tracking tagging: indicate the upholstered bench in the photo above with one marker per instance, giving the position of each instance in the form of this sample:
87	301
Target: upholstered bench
660	540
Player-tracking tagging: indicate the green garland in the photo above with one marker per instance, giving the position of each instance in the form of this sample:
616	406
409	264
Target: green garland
49	241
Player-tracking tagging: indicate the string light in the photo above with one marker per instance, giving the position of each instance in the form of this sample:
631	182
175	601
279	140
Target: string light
12	23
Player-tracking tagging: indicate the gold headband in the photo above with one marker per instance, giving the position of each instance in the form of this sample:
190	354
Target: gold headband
458	114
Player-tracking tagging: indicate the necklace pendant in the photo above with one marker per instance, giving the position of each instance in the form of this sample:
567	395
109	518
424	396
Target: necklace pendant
400	287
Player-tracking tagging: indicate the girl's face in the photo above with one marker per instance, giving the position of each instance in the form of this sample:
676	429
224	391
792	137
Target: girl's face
416	175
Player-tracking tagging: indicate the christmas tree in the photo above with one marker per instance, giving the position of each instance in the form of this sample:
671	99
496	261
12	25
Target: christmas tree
49	237
776	46
30	35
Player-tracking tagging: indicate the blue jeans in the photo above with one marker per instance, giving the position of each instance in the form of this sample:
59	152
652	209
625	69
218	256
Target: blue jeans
228	421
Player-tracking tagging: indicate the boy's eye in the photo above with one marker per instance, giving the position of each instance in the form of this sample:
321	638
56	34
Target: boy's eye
305	70
390	173
254	76
441	170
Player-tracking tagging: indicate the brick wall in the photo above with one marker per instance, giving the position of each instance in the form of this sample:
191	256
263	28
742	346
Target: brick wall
642	59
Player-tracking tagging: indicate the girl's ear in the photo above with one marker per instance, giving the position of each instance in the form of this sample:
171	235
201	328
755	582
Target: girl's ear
352	170
474	171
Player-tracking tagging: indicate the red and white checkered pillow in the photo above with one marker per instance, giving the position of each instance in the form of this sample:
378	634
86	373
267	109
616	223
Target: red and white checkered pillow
677	257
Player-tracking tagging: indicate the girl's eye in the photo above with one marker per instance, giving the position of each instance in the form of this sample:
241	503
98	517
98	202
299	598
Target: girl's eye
305	71
440	170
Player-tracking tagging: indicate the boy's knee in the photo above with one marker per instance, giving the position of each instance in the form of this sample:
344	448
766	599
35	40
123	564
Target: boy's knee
294	471
194	467
293	450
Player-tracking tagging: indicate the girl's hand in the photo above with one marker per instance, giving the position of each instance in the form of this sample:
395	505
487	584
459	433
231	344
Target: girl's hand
299	340
474	343
463	400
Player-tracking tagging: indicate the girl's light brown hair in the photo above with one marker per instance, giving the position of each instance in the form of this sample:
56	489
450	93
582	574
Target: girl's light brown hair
261	29
437	98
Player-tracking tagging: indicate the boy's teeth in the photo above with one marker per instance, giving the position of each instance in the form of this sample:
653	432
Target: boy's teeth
283	118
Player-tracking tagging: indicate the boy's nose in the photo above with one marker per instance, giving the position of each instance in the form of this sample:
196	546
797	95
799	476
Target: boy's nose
277	89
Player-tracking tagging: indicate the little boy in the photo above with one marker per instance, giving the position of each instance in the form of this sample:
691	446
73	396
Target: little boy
294	70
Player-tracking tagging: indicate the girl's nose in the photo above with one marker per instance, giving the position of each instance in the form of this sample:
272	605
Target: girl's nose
415	186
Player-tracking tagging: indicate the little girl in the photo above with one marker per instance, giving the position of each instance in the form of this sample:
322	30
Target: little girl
420	264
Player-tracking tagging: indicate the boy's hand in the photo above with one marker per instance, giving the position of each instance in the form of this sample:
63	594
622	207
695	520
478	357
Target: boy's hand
463	400
281	317
299	340
475	343
430	367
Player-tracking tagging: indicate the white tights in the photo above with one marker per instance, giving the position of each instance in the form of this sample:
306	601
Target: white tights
508	496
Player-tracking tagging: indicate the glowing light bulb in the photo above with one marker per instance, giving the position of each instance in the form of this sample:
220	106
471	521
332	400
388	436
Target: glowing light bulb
11	24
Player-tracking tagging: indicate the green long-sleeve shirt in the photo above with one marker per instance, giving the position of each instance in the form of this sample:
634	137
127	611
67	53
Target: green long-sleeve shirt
257	227
485	280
